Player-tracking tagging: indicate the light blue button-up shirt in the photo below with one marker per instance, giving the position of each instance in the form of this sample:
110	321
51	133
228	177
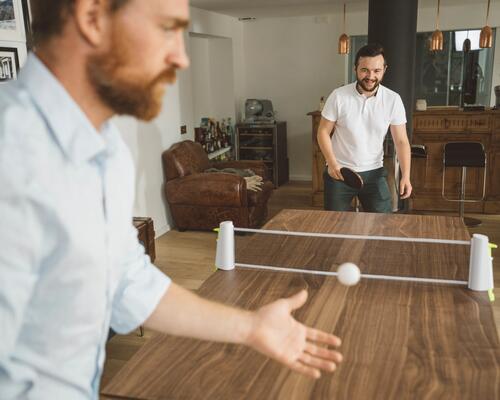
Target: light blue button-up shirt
70	262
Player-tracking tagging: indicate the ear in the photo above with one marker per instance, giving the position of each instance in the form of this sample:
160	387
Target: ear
92	19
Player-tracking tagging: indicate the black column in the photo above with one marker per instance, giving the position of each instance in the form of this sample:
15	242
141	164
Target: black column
393	24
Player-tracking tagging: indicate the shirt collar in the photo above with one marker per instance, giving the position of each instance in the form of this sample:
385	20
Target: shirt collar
362	95
74	132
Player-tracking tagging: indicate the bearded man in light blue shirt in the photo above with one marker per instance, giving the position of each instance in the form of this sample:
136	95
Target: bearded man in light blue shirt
71	265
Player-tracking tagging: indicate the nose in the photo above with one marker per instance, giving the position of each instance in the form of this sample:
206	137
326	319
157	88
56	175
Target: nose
178	57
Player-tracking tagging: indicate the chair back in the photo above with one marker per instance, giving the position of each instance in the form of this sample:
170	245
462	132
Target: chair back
184	158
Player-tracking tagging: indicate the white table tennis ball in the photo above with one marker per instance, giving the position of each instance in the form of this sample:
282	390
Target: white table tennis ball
348	274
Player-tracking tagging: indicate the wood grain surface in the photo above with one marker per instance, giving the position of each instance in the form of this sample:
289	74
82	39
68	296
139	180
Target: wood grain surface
400	340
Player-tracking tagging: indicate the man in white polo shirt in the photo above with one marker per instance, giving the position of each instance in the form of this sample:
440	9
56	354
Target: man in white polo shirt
359	114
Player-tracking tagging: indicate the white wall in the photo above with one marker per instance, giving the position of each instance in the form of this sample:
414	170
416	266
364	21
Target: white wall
200	77
212	77
217	25
221	78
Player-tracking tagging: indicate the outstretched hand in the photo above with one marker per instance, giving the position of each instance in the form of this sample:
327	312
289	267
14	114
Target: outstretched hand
276	334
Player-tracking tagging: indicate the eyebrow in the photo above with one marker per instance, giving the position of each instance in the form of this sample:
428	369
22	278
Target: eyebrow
171	22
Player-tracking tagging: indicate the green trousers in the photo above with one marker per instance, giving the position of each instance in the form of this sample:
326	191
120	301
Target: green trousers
374	196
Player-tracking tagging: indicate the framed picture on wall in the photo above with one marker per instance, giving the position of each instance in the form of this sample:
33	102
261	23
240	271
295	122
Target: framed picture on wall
27	23
12	19
9	64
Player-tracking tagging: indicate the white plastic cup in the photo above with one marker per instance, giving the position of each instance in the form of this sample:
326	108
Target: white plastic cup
224	255
480	264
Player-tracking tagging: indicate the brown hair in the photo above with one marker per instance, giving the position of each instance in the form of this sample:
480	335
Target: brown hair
49	16
370	50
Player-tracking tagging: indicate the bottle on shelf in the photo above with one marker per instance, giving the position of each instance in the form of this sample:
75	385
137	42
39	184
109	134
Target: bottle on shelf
321	103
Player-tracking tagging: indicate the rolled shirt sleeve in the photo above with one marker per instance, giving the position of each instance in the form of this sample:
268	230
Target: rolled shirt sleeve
140	289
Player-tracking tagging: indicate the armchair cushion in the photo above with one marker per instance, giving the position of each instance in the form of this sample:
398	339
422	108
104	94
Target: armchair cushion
207	189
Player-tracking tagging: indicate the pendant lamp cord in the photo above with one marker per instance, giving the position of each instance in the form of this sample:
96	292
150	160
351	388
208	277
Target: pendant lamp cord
437	15
344	17
488	12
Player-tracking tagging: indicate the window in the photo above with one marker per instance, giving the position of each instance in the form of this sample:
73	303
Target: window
450	76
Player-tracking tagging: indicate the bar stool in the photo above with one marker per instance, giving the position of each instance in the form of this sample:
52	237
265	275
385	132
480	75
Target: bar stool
464	155
417	151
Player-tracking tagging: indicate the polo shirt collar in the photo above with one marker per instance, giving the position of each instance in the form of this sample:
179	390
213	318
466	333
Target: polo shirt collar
362	95
79	140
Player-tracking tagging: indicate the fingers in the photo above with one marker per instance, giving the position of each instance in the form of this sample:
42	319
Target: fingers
335	173
315	335
402	190
406	194
323	353
297	300
405	191
305	370
310	365
318	363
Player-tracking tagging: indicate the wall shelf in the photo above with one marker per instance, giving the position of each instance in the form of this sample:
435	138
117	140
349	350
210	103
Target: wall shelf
265	142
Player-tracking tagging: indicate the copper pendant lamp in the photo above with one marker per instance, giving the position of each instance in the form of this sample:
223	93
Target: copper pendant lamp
437	35
486	37
344	41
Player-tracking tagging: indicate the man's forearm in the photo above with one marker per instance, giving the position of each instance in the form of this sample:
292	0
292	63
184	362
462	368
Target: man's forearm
183	313
404	156
325	146
271	329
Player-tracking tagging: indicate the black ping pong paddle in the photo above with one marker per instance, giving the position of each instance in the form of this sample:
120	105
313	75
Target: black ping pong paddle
351	178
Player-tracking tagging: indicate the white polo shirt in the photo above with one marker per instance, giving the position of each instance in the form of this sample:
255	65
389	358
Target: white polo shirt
361	124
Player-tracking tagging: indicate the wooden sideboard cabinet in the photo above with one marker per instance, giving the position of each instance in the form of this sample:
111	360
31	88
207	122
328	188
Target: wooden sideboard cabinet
435	128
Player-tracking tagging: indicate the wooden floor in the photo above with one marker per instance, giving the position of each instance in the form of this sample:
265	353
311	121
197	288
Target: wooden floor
188	258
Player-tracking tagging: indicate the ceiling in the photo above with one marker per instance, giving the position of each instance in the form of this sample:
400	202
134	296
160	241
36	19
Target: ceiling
288	8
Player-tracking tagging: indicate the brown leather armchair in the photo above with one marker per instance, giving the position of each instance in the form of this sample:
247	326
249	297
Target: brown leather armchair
200	200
